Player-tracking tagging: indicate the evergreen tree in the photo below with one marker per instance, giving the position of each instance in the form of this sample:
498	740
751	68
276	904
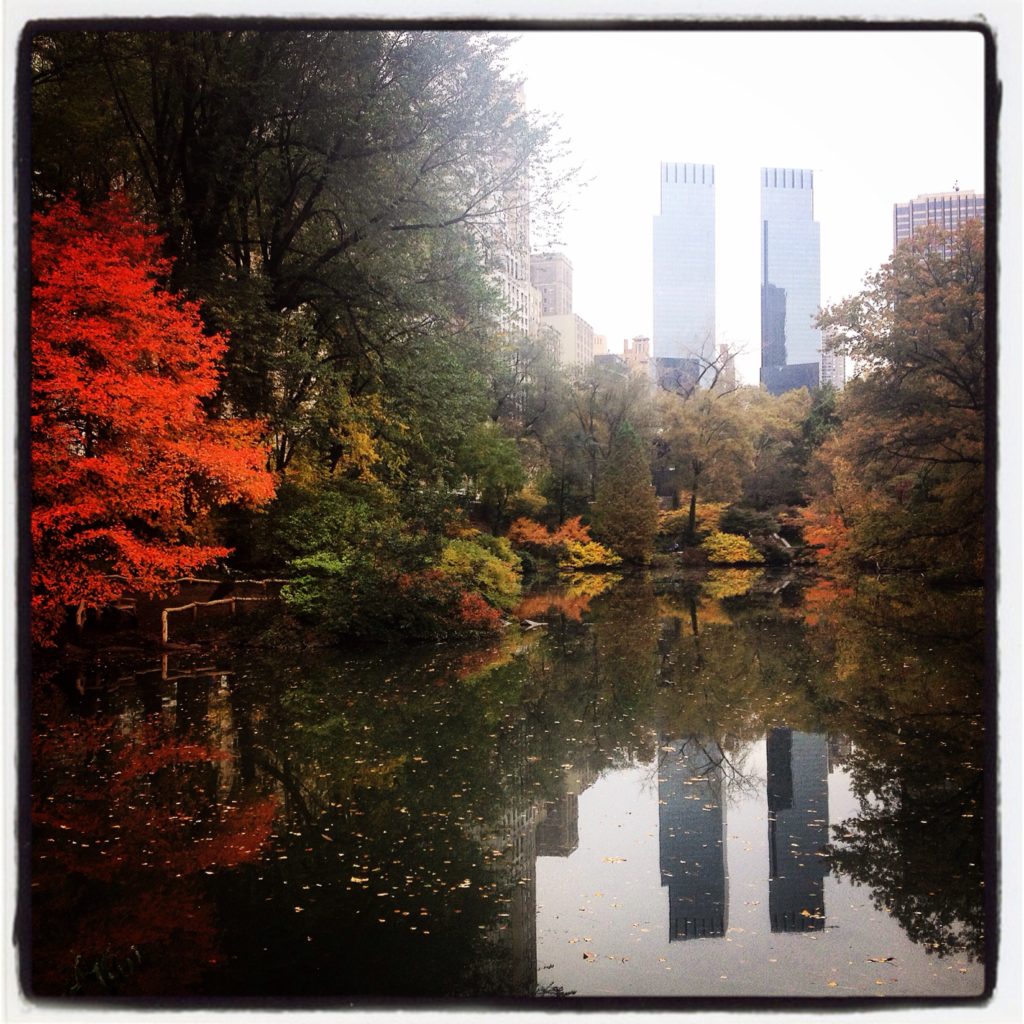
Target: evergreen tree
626	509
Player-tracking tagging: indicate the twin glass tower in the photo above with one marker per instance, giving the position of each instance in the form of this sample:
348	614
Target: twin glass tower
684	273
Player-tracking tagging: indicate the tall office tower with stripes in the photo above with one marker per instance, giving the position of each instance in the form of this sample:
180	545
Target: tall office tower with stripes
684	265
790	280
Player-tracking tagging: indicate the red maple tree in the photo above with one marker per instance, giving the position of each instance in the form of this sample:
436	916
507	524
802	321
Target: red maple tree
125	459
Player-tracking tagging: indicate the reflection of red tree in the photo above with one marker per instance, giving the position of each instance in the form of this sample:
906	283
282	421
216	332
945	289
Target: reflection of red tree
571	605
122	827
819	597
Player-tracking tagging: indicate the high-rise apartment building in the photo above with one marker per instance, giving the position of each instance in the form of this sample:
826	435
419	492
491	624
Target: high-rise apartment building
943	209
790	280
503	234
551	273
684	264
507	255
574	341
575	338
833	365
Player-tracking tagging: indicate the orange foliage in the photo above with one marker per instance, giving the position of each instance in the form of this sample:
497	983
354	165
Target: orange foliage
528	533
439	605
572	605
125	459
819	596
824	531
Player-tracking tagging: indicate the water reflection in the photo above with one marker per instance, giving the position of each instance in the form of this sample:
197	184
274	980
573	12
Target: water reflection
797	829
369	823
691	831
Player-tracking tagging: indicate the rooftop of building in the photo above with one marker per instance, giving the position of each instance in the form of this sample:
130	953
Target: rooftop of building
948	195
550	256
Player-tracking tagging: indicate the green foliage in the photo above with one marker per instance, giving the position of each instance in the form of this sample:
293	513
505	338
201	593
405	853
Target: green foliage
747	522
782	437
625	512
351	544
492	463
730	549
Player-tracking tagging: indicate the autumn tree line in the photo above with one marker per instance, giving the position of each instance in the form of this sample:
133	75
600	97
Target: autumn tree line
265	334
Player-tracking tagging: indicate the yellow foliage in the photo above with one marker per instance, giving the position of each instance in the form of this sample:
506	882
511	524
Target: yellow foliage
492	569
721	583
730	549
674	521
587	555
590	584
355	430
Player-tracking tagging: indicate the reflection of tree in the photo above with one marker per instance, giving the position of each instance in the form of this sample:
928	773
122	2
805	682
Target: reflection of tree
725	765
124	825
909	697
731	668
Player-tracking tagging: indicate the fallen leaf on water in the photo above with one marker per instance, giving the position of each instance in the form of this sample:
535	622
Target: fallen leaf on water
833	984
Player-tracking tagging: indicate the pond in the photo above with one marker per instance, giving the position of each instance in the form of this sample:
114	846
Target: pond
737	785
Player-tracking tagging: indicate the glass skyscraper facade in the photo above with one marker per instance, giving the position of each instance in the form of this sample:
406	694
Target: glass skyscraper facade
790	280
684	264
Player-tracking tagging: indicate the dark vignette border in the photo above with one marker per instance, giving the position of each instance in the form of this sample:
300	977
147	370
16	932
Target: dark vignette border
22	931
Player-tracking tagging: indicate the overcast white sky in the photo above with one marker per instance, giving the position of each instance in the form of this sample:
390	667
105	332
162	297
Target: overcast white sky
880	117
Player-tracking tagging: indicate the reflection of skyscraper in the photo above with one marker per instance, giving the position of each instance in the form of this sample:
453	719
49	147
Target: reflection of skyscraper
558	832
790	280
691	842
797	829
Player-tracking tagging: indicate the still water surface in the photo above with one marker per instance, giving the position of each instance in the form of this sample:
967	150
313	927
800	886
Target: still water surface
740	786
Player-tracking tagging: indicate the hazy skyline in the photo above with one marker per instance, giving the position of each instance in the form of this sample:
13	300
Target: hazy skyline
880	117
